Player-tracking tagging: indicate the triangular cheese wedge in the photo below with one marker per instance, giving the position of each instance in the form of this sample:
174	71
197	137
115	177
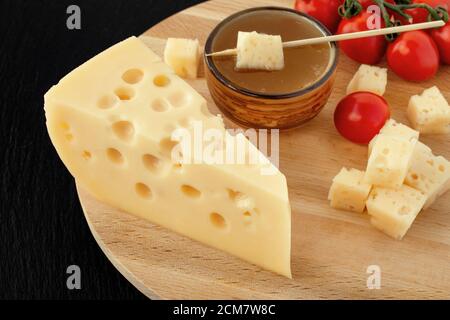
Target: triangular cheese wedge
112	121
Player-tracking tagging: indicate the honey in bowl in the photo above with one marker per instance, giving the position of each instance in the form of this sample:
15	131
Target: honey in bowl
280	99
304	65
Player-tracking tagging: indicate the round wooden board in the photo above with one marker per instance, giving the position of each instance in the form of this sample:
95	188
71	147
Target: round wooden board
331	250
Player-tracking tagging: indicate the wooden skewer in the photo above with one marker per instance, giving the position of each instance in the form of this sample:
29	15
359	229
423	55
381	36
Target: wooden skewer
345	36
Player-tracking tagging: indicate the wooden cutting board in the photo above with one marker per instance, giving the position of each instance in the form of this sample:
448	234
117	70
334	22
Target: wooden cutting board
331	250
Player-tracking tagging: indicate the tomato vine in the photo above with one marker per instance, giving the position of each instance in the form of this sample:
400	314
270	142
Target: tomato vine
351	8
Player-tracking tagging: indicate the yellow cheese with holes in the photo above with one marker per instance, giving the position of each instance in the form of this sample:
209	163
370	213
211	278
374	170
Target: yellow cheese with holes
259	51
389	161
428	173
348	191
369	78
394	211
429	112
112	122
183	55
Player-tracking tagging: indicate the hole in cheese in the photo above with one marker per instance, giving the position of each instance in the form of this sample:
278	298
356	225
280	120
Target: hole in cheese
143	190
179	99
167	145
415	176
404	210
217	220
178	166
124	94
247	217
68	137
107	101
241	200
160	105
386	151
151	162
185	122
234	195
64	125
183	72
86	155
114	156
190	191
441	168
133	76
161	81
124	130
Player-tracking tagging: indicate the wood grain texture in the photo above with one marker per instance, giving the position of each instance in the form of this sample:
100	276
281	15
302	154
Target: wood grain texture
331	249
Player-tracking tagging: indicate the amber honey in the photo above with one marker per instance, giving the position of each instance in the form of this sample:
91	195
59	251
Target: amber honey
304	66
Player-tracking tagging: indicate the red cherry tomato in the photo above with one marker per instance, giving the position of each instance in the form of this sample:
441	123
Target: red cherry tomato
365	50
360	116
413	56
442	38
419	15
326	11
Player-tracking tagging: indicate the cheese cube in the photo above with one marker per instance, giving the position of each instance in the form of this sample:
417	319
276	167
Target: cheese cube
369	78
183	56
112	123
259	51
394	128
389	161
348	191
428	173
429	112
394	211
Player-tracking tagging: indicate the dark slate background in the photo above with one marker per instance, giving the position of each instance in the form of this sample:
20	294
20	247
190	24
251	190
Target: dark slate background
42	228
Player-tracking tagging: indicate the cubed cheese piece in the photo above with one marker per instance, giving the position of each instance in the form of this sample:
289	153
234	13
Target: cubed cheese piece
396	129
111	121
394	211
369	78
429	112
348	191
259	51
183	56
389	161
428	173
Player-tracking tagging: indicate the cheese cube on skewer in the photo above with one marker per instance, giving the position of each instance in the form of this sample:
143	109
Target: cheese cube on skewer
394	211
348	191
429	112
183	56
259	51
369	78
